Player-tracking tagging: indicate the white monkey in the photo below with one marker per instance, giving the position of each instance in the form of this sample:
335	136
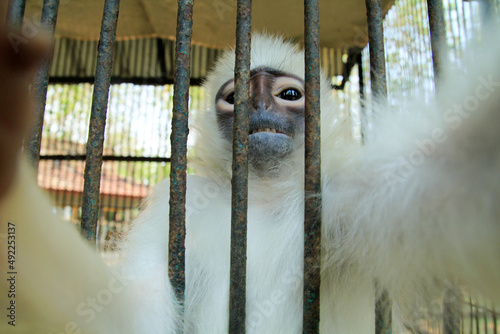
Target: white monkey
415	206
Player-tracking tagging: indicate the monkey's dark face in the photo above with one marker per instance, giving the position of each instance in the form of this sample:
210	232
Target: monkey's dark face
276	115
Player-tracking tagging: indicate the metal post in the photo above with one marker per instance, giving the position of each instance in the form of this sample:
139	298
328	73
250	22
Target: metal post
15	13
383	307
178	142
438	36
95	142
241	128
312	186
377	52
34	140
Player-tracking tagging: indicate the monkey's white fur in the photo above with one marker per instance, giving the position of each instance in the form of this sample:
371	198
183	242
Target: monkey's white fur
413	209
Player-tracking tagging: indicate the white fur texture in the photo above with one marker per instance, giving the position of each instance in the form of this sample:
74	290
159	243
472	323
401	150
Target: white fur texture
416	209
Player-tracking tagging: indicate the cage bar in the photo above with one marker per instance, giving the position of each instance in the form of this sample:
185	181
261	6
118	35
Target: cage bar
363	114
95	142
383	307
451	307
451	311
178	139
377	51
34	139
15	13
438	36
312	178
239	182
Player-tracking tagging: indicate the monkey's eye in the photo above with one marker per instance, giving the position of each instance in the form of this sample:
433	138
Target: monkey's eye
230	98
290	94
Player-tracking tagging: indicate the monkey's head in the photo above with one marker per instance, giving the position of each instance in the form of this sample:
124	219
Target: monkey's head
276	115
277	103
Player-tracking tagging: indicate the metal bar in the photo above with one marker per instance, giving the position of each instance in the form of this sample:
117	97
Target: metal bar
312	177
494	315
39	88
377	52
363	115
451	311
476	319
178	140
471	316
485	319
15	14
438	36
239	198
383	307
95	142
82	157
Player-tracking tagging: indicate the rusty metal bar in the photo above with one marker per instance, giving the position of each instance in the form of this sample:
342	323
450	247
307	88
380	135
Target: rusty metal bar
438	36
15	13
93	162
374	14
39	89
239	198
312	178
178	140
377	51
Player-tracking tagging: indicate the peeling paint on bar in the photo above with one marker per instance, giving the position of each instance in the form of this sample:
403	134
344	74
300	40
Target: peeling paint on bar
93	162
178	139
15	13
34	139
239	199
312	185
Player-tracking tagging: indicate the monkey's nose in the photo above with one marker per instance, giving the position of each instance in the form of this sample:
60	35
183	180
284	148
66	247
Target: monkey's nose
261	102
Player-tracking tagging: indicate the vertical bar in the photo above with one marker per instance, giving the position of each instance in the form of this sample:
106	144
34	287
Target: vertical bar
312	177
438	36
377	52
239	198
178	142
451	311
476	318
494	315
383	314
363	116
383	307
34	139
15	13
485	316
95	142
471	316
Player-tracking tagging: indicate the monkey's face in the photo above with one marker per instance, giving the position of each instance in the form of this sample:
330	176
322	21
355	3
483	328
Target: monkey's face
276	115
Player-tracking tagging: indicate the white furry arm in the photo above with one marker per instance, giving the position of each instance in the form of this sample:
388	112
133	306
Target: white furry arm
421	201
50	278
